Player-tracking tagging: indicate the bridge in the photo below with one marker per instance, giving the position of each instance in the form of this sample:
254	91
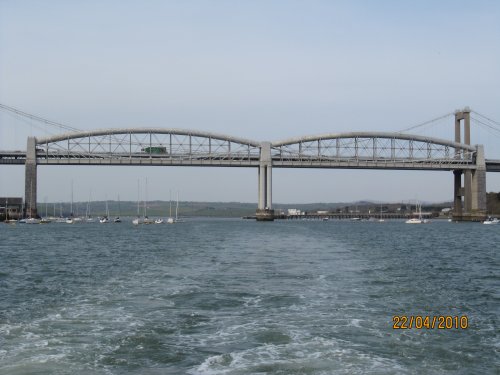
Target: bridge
353	150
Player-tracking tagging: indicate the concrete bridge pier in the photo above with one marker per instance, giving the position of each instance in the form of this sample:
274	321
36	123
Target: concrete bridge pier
478	184
30	179
473	190
264	209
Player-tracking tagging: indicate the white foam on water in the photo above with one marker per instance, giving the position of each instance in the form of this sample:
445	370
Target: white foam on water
317	355
252	301
355	323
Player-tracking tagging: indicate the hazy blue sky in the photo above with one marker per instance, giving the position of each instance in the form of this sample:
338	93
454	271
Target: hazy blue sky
264	70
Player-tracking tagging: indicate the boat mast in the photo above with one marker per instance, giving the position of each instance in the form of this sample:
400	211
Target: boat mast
31	199
138	197
170	212
71	207
177	206
146	200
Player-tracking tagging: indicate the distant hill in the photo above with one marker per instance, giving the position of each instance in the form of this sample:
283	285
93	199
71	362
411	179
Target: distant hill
238	209
221	209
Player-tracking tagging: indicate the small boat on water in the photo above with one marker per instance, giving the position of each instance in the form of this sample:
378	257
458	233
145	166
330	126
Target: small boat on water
418	219
105	218
174	220
117	218
491	221
144	219
381	219
414	220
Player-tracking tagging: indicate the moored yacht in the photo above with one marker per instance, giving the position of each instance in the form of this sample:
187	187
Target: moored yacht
418	219
491	220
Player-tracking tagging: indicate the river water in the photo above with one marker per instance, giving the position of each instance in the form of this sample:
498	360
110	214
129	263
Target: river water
230	296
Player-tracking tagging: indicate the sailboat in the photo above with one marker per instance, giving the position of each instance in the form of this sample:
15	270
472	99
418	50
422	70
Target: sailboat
88	216
381	220
170	219
138	220
177	220
419	219
45	219
117	219
105	218
159	221
146	219
69	220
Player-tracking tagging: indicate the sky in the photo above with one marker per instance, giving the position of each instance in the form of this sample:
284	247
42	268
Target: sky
263	70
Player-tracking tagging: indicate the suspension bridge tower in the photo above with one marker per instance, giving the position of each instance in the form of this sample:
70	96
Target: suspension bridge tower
473	189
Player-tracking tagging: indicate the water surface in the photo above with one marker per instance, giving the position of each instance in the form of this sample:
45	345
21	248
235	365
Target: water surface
228	296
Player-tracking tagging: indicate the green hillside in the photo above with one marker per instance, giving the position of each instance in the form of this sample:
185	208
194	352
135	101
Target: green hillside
238	209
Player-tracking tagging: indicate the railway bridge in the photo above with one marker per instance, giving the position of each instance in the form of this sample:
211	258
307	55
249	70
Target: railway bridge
352	150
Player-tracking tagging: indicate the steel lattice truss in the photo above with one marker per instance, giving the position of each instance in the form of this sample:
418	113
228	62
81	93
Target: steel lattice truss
372	150
183	147
147	147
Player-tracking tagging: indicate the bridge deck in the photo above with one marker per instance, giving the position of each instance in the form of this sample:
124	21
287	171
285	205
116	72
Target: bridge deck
19	158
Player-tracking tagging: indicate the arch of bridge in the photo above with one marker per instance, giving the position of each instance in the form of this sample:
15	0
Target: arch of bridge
253	143
373	135
165	131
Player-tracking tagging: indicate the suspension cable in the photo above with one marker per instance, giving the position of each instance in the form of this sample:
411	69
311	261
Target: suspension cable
483	116
38	118
426	123
483	124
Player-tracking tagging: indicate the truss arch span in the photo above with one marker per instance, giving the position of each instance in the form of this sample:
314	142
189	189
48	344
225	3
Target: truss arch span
150	146
372	150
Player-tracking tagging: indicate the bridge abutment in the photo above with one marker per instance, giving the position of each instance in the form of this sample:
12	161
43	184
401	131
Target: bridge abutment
30	180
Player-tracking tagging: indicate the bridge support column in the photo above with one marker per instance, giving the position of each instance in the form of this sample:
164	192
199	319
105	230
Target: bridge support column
457	195
474	184
30	179
264	209
478	185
